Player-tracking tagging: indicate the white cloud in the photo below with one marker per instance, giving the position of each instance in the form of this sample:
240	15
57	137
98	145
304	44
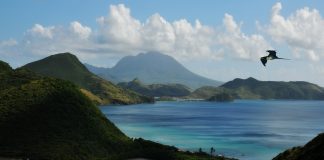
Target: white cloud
158	34
119	34
46	40
302	31
81	31
243	46
180	38
8	43
40	31
119	26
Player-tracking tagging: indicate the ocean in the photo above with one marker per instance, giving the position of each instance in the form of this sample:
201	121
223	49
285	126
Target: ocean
244	129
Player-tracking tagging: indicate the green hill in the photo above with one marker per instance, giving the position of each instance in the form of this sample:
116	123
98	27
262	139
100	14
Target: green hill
251	88
49	118
4	67
156	90
207	92
67	66
313	150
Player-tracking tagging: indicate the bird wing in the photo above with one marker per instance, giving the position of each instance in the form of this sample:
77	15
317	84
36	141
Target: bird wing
264	60
272	53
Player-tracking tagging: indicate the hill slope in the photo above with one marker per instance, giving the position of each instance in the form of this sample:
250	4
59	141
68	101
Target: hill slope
67	66
313	150
4	67
48	118
251	88
156	90
152	68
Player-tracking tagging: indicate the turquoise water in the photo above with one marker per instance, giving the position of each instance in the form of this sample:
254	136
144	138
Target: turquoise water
245	129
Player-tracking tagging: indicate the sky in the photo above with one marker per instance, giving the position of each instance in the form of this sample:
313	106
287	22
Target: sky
221	40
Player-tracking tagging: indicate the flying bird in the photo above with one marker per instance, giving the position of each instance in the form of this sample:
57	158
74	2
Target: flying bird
272	55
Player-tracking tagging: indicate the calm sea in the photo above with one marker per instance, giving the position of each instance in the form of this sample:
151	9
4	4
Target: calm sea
245	129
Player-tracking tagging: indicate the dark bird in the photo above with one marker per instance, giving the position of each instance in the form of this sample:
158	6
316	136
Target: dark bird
272	55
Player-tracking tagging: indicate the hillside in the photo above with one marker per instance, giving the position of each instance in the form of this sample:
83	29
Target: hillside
251	88
156	90
313	150
67	66
48	118
4	67
153	68
207	92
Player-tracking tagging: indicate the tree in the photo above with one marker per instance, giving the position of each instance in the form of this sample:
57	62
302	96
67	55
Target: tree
212	150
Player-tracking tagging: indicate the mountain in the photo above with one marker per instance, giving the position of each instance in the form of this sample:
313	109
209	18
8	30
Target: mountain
48	118
313	150
67	66
153	67
156	90
251	88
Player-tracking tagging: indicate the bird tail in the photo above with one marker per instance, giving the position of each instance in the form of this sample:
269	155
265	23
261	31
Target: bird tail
284	58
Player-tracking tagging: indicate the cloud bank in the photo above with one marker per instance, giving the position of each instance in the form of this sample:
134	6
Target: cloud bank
302	31
120	34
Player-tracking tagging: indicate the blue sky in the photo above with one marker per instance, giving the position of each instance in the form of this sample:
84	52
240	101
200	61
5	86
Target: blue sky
17	15
218	39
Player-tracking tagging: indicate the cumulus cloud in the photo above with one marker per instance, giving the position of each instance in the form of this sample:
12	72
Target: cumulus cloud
302	31
119	26
40	31
179	38
79	30
45	40
119	34
242	45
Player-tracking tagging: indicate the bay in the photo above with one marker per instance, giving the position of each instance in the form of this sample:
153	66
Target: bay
244	129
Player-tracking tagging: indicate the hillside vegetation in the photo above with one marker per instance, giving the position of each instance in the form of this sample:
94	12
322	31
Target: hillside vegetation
251	88
313	150
67	66
156	90
48	118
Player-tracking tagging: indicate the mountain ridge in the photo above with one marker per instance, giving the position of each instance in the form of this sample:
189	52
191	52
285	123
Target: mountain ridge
156	90
252	88
67	66
153	67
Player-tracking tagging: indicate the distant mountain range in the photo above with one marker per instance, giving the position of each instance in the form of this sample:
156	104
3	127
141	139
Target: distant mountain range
152	67
67	66
251	88
156	90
